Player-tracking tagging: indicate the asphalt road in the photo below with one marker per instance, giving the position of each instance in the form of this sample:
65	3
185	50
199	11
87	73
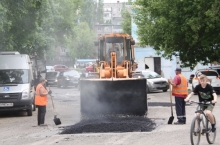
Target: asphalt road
19	129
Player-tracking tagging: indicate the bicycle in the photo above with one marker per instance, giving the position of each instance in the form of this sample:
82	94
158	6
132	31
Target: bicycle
201	126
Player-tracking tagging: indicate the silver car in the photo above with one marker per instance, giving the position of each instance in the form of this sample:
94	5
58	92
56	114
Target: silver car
155	82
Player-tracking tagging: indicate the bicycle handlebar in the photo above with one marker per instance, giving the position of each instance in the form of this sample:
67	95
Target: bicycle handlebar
203	102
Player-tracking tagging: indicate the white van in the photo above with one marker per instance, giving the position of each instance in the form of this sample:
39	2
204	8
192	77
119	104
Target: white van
16	87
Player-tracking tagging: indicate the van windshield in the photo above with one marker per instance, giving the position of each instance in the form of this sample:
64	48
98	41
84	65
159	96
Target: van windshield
14	76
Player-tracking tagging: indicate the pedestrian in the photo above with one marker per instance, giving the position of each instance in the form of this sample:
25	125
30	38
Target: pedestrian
205	93
180	92
41	101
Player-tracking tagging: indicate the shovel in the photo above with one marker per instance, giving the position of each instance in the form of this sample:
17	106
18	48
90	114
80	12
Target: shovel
56	120
170	121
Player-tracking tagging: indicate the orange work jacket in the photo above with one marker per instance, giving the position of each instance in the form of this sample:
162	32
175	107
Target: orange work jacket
40	100
182	88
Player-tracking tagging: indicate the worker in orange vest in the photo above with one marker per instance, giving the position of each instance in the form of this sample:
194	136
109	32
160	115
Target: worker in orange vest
180	91
41	101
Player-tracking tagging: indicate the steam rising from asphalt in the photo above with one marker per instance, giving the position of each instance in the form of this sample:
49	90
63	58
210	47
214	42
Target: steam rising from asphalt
94	94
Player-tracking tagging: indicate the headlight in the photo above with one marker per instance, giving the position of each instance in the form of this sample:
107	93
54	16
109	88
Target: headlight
56	80
25	94
67	78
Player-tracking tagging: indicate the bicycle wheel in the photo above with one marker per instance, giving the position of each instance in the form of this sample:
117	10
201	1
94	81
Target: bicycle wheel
210	136
195	131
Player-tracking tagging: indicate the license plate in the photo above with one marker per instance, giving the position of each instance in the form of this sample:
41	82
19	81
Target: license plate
6	104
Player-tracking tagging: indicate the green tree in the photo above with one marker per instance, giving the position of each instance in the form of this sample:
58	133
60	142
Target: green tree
99	12
43	25
36	25
60	19
91	12
188	29
126	23
81	44
20	20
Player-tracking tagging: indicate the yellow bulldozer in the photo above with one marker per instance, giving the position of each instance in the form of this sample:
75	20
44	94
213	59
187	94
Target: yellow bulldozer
115	87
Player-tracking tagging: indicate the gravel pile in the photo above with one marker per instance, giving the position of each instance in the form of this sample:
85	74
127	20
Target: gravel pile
111	124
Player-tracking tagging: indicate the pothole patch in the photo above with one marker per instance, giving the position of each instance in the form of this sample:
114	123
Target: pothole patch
111	124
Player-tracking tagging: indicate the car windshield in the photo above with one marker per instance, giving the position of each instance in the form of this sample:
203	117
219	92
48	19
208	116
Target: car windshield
18	76
151	75
209	73
71	73
51	75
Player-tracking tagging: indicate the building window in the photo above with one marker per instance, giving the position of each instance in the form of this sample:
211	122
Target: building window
63	49
107	29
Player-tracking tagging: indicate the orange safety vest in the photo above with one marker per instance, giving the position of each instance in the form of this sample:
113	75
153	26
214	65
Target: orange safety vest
40	100
182	88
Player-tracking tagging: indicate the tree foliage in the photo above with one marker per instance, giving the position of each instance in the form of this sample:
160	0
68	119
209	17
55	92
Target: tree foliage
188	29
44	25
126	23
19	21
91	12
83	44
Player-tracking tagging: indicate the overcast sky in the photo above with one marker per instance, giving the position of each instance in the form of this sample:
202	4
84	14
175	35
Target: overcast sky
114	1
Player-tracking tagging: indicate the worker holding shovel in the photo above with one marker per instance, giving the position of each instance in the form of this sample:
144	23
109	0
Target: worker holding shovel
180	91
41	101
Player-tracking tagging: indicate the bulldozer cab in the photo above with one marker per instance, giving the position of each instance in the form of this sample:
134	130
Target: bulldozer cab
114	47
120	44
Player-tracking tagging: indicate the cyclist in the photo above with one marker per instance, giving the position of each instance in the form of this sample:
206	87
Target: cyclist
198	76
205	93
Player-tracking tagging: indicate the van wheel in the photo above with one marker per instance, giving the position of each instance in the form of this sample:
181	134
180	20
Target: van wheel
164	90
29	112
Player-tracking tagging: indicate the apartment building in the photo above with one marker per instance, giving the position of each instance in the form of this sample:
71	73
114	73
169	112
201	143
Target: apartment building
112	19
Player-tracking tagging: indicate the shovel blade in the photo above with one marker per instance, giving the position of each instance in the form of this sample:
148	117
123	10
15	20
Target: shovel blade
170	121
57	120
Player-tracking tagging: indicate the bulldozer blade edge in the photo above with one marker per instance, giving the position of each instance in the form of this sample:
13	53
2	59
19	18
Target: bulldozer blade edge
119	96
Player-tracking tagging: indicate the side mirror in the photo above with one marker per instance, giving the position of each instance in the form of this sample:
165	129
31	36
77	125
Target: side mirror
132	42
146	67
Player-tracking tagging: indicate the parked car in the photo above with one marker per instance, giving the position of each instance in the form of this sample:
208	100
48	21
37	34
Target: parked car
90	68
50	68
51	77
68	78
154	81
211	74
60	67
216	67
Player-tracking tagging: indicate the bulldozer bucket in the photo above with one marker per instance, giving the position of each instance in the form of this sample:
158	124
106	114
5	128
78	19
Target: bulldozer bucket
113	96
